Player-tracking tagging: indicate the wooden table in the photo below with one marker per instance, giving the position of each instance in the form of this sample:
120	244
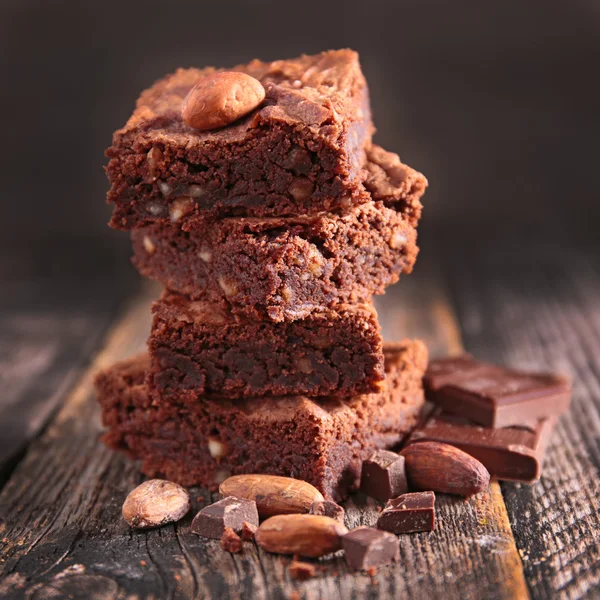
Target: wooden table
61	535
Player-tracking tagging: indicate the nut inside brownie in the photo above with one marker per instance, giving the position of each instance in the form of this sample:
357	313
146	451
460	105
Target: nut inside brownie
281	269
321	440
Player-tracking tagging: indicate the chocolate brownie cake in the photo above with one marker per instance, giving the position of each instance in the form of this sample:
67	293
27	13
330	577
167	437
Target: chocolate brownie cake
322	441
198	348
303	150
281	269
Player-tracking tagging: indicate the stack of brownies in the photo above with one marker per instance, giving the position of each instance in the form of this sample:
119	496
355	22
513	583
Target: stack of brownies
257	198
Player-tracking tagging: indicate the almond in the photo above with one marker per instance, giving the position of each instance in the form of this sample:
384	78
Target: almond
220	99
432	466
274	495
154	503
305	535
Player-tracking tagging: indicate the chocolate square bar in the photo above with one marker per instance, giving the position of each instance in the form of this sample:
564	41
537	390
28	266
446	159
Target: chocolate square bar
281	269
199	348
494	396
322	441
302	151
508	453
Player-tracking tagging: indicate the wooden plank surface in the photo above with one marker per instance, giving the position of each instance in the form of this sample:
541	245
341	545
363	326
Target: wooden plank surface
540	309
61	531
49	330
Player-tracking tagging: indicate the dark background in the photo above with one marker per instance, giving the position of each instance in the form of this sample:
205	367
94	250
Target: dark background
497	102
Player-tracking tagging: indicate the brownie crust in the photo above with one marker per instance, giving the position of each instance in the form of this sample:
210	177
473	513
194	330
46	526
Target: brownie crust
281	269
302	151
199	348
322	441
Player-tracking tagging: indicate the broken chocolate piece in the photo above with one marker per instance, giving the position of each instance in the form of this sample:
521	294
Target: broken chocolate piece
383	475
327	508
366	547
509	453
494	396
231	512
231	541
409	513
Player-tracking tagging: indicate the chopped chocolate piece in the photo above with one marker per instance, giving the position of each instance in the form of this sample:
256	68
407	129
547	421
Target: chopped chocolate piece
494	396
231	541
302	570
383	475
327	508
366	547
322	441
409	513
231	512
509	453
198	348
248	531
281	269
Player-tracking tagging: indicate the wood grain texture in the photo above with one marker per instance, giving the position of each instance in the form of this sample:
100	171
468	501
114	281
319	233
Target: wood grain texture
61	531
539	308
49	331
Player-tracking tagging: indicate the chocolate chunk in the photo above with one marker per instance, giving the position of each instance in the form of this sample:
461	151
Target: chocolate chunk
326	508
383	475
494	396
366	548
231	512
231	541
509	453
409	513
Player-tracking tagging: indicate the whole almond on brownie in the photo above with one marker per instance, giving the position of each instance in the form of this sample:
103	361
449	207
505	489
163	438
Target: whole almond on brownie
220	99
432	466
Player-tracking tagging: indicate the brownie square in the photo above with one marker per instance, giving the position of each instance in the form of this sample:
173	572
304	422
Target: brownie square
303	150
281	269
199	348
320	440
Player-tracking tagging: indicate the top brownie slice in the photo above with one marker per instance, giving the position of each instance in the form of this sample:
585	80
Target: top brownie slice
301	151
